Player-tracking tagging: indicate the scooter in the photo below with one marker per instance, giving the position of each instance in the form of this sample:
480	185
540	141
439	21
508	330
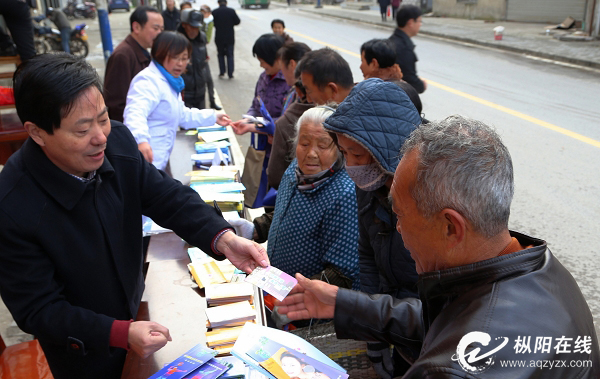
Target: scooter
48	39
75	10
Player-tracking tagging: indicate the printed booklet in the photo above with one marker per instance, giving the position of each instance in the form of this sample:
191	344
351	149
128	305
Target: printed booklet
264	348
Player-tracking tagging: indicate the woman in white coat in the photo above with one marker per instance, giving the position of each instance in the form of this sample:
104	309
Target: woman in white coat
155	108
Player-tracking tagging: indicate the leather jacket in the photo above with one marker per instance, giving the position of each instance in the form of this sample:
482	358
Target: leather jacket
526	296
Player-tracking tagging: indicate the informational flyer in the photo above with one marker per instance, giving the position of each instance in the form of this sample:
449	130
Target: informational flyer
272	280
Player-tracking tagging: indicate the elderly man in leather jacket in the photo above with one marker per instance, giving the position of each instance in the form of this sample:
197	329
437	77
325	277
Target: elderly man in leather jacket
493	303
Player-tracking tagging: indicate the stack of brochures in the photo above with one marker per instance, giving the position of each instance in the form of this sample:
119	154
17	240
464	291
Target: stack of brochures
278	354
227	293
229	315
220	184
207	271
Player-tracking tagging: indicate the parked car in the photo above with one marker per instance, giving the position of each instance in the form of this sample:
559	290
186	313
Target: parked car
261	3
118	4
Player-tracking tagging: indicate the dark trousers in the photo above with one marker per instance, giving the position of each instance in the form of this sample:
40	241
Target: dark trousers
210	85
17	17
65	37
195	101
222	51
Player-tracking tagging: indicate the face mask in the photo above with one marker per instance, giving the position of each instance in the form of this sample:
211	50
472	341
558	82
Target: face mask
367	177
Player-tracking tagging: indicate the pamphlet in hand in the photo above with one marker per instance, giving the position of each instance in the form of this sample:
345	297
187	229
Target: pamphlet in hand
272	280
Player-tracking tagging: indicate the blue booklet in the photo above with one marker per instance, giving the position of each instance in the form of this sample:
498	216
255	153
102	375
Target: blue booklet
210	370
185	364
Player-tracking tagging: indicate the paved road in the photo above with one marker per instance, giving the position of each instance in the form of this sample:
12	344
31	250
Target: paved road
547	115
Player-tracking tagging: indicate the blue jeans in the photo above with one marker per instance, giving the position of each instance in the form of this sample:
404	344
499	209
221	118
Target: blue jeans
222	51
65	37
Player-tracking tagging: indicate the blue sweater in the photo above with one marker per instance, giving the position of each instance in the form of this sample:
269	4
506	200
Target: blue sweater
314	228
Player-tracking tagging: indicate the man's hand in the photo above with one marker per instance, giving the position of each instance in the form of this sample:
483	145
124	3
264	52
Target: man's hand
147	337
243	126
146	150
244	254
309	299
223	119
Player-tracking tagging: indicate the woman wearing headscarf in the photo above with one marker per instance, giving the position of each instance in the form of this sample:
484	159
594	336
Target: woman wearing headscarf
314	228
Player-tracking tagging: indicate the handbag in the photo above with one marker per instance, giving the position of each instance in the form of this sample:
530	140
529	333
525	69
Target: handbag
389	11
253	169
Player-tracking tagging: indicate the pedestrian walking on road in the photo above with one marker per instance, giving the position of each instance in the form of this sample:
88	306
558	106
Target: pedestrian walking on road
395	5
409	22
383	5
208	27
225	19
171	16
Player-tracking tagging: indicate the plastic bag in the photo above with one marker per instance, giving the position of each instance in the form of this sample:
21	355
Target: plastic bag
25	360
7	96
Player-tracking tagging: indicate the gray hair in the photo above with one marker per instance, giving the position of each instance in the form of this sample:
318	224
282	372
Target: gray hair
316	115
463	165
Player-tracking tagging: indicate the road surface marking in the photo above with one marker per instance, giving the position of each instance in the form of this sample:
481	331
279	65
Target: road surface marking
476	99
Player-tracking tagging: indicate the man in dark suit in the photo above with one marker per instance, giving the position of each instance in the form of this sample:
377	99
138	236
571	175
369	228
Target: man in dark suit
71	201
225	19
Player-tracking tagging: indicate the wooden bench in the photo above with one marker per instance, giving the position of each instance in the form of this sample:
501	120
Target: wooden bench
16	60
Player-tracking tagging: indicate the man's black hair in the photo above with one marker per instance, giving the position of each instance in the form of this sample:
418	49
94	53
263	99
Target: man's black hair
292	51
407	12
326	66
277	21
266	47
47	86
140	15
381	49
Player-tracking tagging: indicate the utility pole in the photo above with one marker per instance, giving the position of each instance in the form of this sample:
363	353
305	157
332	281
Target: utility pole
105	34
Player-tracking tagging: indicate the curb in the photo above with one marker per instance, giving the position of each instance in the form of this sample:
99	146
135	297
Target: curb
574	61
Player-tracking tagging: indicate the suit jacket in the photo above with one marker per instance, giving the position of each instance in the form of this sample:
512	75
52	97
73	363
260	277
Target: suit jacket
71	252
128	59
225	19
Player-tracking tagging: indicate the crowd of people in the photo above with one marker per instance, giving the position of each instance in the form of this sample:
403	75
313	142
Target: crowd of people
396	226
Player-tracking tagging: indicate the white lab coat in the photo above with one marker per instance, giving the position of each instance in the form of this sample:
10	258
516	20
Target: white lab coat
154	112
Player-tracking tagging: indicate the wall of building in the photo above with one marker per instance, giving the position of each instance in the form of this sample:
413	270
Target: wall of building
471	9
551	11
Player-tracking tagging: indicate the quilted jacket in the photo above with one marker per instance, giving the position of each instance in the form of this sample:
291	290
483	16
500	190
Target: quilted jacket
380	116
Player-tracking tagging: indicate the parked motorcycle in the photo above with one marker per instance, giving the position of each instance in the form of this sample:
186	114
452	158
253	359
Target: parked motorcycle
48	39
75	10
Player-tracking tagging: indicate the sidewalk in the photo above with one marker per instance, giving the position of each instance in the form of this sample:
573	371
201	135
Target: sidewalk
519	37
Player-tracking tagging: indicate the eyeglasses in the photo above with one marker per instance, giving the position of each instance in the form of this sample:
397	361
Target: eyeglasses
181	60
